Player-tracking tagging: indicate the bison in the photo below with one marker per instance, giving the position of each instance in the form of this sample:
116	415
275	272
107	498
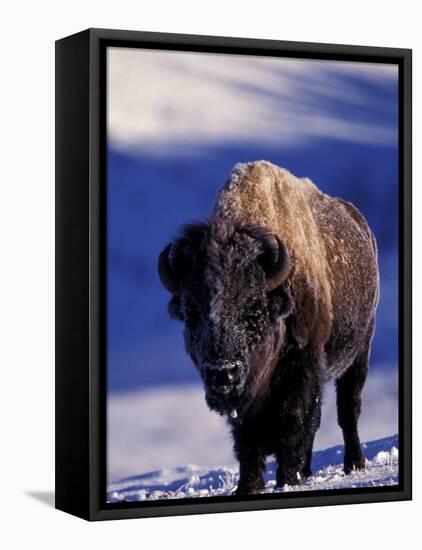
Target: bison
277	291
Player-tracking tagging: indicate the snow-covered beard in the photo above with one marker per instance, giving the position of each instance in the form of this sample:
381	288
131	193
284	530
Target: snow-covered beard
222	340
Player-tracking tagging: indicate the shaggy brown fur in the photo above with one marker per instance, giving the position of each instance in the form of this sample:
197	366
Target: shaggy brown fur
334	276
277	292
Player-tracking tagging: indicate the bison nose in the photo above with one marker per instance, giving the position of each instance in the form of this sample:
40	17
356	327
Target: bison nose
221	378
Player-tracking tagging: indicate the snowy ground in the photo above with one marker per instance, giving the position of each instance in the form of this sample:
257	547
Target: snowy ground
168	426
195	481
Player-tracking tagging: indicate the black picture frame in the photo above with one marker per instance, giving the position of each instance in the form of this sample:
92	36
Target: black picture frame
80	272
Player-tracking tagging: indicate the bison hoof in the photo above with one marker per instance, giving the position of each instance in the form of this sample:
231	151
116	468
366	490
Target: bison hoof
291	477
307	472
353	464
250	488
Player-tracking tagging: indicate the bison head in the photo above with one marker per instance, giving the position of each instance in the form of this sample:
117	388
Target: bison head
228	287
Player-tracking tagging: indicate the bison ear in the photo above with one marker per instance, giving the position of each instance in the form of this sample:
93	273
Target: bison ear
166	272
175	308
280	302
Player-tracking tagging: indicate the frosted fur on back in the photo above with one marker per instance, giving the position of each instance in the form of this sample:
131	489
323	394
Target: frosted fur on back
271	197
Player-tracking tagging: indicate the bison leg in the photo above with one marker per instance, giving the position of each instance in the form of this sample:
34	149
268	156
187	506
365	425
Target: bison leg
314	423
251	461
250	476
295	451
290	466
349	402
300	418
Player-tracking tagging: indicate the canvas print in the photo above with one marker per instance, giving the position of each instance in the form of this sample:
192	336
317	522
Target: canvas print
252	275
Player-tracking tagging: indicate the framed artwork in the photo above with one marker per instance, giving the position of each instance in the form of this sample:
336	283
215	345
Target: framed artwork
233	274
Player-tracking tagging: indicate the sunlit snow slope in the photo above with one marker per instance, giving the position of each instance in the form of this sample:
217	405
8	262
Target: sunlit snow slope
194	481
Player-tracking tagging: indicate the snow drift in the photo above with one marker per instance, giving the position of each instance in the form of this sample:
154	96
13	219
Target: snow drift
193	481
168	426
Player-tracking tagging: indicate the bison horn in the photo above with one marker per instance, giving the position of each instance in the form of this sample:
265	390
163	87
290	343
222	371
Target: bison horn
277	273
166	273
